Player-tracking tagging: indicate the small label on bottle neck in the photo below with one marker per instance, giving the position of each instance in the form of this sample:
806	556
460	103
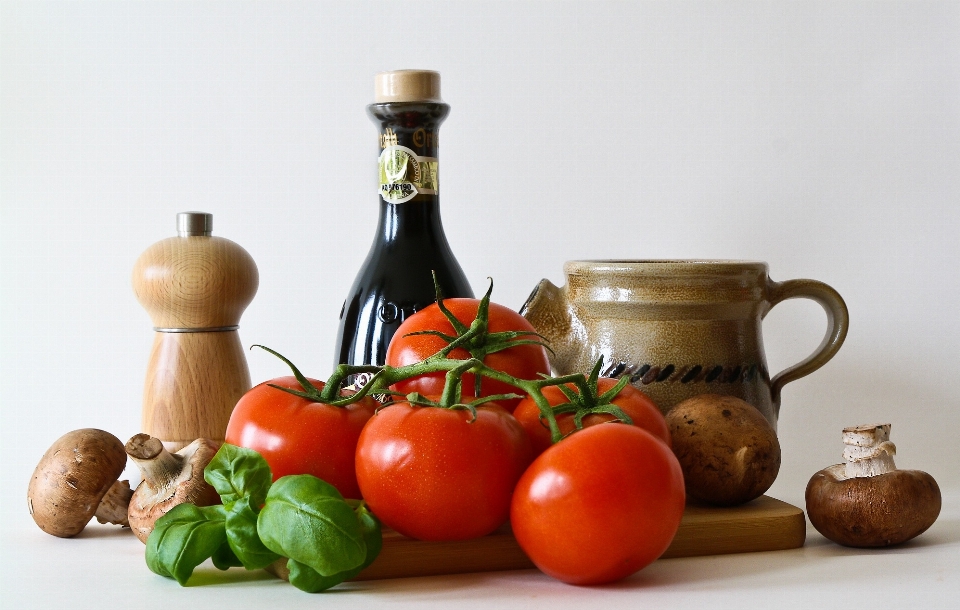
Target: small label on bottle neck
404	174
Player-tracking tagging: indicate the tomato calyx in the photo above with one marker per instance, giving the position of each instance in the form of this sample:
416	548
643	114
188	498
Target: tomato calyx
315	394
418	400
589	401
383	376
479	342
451	398
476	339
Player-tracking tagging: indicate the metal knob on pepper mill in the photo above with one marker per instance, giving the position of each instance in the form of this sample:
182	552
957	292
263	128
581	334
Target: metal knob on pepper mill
195	288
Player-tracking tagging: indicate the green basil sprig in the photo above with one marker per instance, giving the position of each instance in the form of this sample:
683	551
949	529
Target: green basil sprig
242	478
184	538
301	508
326	539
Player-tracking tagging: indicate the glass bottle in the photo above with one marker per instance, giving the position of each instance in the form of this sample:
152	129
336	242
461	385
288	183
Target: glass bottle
396	278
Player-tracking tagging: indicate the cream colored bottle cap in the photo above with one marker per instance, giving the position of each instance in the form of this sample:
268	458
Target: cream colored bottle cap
407	86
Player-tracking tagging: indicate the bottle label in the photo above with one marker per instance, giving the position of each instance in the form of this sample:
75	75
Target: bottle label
404	174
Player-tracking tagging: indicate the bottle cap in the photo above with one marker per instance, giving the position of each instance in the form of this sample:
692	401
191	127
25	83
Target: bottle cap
194	224
407	86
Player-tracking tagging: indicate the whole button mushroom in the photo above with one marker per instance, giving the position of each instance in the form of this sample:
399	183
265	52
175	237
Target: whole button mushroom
76	480
866	501
169	479
727	449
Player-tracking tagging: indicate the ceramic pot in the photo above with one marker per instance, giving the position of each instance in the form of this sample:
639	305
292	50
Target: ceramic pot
678	328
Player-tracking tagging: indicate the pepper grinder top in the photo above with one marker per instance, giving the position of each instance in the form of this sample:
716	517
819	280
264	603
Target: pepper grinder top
195	282
194	224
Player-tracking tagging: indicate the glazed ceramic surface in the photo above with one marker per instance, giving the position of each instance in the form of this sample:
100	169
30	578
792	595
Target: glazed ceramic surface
678	328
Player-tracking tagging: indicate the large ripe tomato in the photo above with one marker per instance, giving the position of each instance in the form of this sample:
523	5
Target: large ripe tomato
298	436
522	361
634	403
599	505
432	474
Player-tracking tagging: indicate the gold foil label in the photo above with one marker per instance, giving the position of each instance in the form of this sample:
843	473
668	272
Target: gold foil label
404	175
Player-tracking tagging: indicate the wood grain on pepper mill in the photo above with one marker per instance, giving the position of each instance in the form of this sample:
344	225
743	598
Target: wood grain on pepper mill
195	287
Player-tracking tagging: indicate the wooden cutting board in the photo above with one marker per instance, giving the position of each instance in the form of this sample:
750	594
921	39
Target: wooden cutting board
764	524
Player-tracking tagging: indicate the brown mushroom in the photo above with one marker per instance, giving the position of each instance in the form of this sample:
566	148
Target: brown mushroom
728	451
77	479
169	479
867	501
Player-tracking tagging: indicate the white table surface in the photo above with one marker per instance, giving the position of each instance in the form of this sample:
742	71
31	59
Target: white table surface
104	567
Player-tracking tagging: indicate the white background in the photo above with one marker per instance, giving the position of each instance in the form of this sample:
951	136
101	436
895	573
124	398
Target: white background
821	137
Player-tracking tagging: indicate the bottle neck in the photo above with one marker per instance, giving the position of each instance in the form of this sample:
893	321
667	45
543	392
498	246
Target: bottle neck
409	142
413	220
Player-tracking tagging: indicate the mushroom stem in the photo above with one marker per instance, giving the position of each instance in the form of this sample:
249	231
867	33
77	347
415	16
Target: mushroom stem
169	479
868	451
158	466
113	506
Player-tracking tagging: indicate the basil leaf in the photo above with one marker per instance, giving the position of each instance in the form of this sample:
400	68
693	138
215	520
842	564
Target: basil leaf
243	538
307	520
184	538
307	579
224	558
238	472
372	535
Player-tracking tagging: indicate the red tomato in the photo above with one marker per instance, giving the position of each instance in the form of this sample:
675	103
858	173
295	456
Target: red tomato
632	401
432	474
298	436
599	505
521	361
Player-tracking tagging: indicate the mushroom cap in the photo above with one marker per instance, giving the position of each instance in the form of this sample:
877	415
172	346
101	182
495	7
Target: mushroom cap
71	479
727	449
876	511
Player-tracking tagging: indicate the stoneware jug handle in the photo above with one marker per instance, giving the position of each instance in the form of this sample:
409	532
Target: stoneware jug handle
837	323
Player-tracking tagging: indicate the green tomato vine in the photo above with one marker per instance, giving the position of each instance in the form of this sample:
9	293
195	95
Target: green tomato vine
479	342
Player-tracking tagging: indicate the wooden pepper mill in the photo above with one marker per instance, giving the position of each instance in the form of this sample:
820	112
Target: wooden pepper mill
195	288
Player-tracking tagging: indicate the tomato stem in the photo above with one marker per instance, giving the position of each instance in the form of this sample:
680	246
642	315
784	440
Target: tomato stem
581	391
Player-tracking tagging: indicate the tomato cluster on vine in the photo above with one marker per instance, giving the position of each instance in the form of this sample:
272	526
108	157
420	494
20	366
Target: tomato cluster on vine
475	433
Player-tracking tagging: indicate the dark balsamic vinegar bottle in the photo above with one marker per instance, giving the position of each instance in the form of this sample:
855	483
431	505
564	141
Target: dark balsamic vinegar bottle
396	278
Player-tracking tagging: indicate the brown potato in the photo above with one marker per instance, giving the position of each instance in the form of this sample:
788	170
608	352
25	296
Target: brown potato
728	451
